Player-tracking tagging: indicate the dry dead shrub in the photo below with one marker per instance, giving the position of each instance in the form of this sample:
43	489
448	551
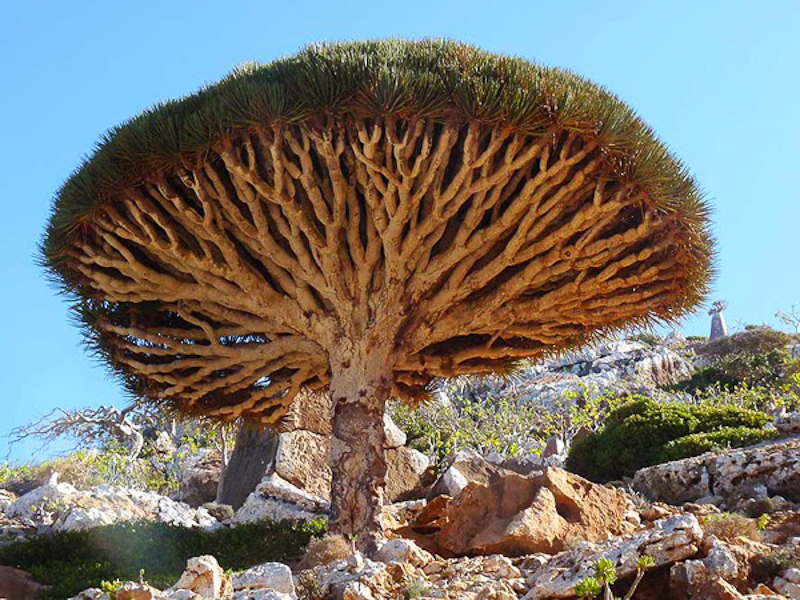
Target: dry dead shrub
325	550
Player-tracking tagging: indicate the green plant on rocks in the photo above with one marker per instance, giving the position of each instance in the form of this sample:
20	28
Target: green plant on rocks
605	575
643	432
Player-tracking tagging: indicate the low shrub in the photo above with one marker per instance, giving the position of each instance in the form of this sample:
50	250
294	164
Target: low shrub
754	340
325	550
479	418
75	560
729	526
642	433
698	443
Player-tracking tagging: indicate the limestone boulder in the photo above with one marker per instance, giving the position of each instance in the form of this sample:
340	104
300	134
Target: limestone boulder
276	499
407	474
302	460
268	576
137	591
788	424
91	594
515	515
61	507
668	541
728	475
404	551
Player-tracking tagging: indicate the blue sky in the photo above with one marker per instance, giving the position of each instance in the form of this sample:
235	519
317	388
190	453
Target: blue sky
716	79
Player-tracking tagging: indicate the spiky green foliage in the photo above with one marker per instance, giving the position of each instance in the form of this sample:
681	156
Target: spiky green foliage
429	78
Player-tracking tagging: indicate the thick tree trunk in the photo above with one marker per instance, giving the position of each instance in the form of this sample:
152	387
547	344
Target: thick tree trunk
251	455
359	393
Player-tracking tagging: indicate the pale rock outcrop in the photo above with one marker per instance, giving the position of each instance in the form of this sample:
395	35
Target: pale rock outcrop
204	577
302	459
618	366
729	475
91	594
277	499
668	541
719	576
478	578
268	576
138	591
61	507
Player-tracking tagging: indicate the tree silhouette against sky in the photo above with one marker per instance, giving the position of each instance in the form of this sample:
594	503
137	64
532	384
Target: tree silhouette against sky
364	219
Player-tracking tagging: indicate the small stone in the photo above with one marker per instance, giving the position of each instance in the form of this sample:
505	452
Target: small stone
137	591
394	436
205	577
181	595
275	576
221	512
404	551
355	561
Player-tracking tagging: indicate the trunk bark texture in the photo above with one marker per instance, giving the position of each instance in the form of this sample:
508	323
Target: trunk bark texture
251	455
359	390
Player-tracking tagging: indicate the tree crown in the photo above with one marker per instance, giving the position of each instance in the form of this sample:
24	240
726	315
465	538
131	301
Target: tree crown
477	208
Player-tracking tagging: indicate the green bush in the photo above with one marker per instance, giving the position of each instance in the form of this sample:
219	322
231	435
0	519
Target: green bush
485	421
756	357
753	340
643	432
698	443
75	560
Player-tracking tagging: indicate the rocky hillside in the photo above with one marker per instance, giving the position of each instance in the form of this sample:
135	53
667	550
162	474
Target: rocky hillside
484	520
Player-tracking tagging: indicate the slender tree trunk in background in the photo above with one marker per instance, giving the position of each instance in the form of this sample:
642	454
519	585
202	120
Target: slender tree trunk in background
359	393
248	462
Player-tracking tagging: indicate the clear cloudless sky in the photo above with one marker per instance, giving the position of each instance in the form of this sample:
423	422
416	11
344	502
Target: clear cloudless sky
717	79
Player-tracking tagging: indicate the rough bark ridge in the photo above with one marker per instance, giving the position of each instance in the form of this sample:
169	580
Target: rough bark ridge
360	386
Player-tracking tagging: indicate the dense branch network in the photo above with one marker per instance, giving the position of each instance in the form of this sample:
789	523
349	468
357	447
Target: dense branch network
459	247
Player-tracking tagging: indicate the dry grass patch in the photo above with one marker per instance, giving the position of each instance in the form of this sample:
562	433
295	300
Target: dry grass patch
325	550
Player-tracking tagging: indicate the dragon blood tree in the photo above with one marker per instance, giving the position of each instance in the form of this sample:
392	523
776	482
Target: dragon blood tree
366	218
